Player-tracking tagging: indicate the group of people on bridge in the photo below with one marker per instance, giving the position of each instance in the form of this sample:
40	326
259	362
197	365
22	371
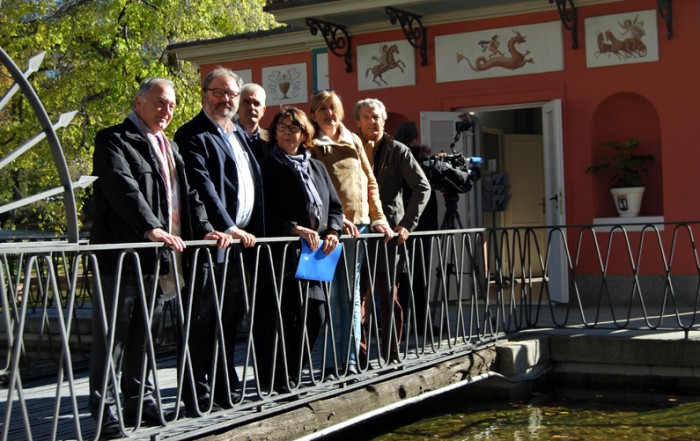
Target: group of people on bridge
227	179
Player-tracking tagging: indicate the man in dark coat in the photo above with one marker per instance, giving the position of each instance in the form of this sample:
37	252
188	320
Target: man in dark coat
141	194
395	167
222	168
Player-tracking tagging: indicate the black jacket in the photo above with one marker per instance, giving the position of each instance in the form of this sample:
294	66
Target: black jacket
129	193
285	197
395	167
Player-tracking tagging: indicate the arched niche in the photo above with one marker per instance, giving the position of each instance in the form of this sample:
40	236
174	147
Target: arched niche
393	119
618	118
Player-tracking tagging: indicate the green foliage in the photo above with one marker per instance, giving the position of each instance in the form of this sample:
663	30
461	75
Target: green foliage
626	169
97	54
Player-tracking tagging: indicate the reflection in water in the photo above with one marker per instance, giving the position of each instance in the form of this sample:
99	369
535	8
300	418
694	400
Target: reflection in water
569	415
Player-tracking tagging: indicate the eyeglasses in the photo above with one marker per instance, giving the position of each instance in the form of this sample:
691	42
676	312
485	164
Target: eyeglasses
292	128
220	93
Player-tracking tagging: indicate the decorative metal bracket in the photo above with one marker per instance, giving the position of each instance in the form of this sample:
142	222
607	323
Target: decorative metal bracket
413	29
569	18
337	39
665	8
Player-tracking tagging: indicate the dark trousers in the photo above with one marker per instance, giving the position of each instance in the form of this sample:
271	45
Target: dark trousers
390	313
130	335
296	317
214	300
413	295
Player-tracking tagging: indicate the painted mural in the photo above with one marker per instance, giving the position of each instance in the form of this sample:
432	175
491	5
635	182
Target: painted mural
285	84
385	64
245	74
514	60
499	52
626	38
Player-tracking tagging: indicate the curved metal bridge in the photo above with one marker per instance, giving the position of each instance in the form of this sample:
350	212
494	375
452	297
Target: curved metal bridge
468	289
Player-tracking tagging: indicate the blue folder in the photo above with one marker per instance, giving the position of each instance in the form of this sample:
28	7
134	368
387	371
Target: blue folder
316	265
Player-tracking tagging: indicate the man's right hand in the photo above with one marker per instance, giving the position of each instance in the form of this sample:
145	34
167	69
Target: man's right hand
247	239
160	235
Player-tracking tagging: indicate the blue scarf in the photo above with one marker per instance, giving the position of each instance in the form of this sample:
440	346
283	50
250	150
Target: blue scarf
299	165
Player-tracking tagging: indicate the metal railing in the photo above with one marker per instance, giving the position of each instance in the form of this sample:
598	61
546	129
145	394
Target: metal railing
461	290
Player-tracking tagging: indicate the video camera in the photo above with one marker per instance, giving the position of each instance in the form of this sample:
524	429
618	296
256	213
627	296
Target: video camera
453	173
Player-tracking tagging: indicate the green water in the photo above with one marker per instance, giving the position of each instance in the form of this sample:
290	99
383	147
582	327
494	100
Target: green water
565	415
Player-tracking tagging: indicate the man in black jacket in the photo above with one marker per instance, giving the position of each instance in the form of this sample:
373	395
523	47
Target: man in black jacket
395	167
224	171
141	195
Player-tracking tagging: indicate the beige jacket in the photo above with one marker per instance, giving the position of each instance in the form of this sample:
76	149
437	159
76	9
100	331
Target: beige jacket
352	177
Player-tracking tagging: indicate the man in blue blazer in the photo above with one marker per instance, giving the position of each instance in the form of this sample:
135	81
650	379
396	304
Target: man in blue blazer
221	167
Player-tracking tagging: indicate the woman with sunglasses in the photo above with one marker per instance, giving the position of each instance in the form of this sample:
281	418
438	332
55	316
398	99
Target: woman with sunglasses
343	154
303	203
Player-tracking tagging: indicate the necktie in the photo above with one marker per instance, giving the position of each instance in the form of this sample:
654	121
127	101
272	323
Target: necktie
165	172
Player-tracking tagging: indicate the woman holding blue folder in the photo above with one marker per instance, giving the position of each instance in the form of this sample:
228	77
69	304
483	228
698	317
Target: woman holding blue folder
302	202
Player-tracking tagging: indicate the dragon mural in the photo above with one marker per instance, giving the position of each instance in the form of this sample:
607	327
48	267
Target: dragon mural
516	60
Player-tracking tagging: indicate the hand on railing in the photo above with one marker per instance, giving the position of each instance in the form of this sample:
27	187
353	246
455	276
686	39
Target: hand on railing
385	230
160	235
223	240
350	228
247	239
403	234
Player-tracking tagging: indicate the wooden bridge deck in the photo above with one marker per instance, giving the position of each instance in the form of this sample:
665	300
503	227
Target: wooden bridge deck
40	395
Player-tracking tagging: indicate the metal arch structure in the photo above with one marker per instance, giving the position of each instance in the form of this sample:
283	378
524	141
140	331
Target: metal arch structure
49	132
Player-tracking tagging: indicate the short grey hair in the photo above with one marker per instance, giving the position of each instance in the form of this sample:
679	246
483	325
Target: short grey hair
149	83
220	71
372	103
253	87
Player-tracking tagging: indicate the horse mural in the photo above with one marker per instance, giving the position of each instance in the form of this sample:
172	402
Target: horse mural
627	47
386	61
516	60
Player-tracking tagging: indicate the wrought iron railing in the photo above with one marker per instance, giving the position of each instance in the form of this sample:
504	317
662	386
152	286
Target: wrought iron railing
465	289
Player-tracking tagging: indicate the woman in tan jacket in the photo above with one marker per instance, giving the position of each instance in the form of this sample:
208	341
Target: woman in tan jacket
342	153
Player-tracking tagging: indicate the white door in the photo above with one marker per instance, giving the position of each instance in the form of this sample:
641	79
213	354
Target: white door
558	270
524	164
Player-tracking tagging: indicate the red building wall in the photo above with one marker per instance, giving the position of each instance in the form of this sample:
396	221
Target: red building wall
656	101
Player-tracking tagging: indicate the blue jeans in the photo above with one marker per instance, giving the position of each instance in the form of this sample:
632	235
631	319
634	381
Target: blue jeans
346	306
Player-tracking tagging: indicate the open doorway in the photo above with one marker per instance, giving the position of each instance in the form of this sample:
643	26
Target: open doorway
512	184
524	144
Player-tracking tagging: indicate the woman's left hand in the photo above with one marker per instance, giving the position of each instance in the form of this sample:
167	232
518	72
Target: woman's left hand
330	242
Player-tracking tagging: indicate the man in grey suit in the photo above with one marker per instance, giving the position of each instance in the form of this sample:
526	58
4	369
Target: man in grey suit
220	165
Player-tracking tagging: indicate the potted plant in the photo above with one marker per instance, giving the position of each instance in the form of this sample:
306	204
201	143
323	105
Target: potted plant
626	170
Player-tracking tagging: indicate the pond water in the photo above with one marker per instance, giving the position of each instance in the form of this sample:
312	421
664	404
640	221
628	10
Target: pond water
563	415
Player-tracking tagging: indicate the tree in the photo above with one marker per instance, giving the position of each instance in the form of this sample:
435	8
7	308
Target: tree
98	51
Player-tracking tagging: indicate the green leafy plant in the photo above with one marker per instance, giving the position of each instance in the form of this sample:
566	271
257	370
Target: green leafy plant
625	168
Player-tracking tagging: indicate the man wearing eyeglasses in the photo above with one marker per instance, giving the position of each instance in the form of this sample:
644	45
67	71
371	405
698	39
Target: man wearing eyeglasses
222	168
